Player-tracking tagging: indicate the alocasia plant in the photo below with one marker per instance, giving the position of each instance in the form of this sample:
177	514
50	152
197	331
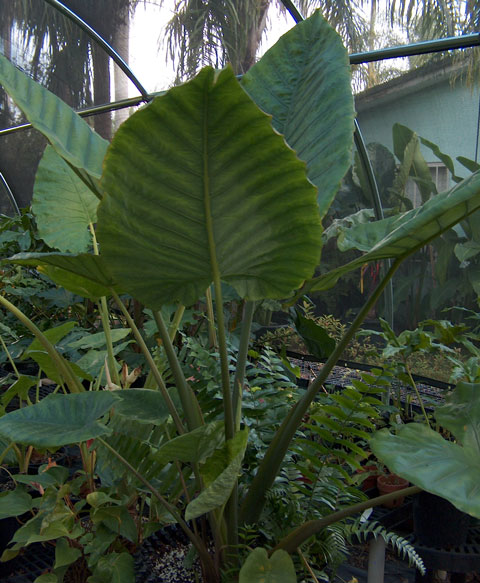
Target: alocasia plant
199	189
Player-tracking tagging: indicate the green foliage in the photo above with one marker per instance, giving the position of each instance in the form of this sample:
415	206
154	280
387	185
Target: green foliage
425	458
219	188
260	568
363	531
63	204
200	189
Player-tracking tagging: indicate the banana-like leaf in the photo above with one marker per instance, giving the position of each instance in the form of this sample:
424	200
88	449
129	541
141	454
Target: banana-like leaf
199	185
220	474
84	274
399	236
441	467
63	205
260	568
59	420
69	134
304	82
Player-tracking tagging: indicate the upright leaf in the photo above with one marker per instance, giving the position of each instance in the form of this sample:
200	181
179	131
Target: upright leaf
220	474
69	134
63	205
199	185
304	82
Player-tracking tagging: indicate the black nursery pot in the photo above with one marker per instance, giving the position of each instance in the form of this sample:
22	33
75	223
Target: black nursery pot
437	523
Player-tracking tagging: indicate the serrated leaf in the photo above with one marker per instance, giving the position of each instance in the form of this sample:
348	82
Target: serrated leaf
199	183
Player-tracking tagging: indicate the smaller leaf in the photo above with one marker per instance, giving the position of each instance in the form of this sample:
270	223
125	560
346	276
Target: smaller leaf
259	568
63	205
65	554
316	338
220	474
14	503
194	446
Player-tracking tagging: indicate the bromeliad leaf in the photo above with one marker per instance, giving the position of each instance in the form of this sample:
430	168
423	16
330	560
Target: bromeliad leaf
59	419
69	134
63	205
304	82
200	186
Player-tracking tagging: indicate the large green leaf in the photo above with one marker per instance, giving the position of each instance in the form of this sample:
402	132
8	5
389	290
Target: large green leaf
304	82
59	419
84	274
63	205
260	568
401	235
70	135
441	467
198	184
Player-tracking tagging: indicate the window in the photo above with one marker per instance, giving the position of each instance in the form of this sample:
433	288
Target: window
440	177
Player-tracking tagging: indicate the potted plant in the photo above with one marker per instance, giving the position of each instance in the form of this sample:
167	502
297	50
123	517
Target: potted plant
197	190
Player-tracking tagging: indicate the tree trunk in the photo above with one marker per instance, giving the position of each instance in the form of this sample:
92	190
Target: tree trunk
101	90
254	37
121	43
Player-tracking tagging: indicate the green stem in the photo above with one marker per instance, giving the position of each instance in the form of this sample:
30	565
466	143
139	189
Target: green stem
177	318
212	335
151	363
242	362
103	310
414	387
9	356
271	463
298	536
225	373
190	405
62	366
197	542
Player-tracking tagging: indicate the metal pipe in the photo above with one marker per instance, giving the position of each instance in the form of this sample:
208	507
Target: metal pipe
93	34
420	48
10	194
94	110
293	10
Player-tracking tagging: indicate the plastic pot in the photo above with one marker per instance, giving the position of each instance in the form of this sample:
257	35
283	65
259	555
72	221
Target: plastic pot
387	483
